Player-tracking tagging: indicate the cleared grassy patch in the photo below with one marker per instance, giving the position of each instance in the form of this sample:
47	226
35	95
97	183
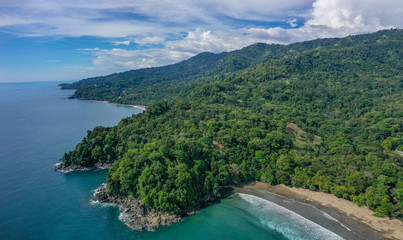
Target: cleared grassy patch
302	138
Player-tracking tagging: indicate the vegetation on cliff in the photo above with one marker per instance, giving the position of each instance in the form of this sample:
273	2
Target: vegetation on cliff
327	116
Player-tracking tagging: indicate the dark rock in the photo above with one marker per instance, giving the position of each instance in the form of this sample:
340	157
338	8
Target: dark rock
62	167
133	211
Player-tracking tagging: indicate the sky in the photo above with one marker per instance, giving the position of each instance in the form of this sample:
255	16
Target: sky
59	40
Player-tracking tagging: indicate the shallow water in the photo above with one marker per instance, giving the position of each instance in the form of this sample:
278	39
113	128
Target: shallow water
305	220
38	124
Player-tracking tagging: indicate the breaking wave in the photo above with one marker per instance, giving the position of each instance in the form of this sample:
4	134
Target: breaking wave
285	221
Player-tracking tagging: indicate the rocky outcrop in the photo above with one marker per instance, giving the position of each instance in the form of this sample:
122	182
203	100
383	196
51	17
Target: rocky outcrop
133	211
62	167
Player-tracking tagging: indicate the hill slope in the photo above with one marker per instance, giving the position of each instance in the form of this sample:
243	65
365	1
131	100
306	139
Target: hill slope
229	128
146	86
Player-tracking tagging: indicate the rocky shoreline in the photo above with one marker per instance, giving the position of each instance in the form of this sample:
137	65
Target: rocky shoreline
133	211
62	167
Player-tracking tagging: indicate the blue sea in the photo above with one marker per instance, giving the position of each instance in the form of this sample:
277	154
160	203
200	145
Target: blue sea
38	124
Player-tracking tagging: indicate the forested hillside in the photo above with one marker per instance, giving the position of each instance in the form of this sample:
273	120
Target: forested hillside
150	85
325	115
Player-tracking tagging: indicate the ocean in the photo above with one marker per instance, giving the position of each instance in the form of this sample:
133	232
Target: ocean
38	124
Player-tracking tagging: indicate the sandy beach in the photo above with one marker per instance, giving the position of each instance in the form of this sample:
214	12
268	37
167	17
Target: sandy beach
142	107
391	228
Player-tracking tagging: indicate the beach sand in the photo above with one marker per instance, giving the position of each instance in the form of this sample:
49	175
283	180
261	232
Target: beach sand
142	107
390	228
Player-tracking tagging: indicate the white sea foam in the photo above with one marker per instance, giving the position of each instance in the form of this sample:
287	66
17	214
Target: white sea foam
285	221
328	216
334	219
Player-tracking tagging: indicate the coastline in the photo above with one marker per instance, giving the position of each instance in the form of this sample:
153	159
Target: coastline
135	215
61	167
142	107
390	228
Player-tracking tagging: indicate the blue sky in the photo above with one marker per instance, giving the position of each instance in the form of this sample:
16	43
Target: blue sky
58	40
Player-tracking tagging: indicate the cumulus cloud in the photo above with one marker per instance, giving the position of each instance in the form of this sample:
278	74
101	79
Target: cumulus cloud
337	18
350	14
205	41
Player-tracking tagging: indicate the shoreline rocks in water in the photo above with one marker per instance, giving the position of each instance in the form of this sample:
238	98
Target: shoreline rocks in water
62	167
133	211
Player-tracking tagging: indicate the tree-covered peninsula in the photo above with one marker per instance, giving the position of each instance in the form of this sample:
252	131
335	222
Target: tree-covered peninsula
325	115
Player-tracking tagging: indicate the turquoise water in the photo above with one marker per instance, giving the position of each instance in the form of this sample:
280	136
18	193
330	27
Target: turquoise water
38	124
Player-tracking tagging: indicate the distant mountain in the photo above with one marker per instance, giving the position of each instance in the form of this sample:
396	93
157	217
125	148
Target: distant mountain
145	86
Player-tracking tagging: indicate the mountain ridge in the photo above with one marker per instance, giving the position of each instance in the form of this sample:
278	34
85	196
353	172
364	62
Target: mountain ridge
129	87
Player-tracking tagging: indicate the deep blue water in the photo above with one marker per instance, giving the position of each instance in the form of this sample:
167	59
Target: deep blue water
38	124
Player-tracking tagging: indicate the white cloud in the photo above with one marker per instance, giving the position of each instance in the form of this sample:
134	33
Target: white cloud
292	22
88	49
103	18
205	41
107	61
150	40
337	18
116	43
156	18
349	14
